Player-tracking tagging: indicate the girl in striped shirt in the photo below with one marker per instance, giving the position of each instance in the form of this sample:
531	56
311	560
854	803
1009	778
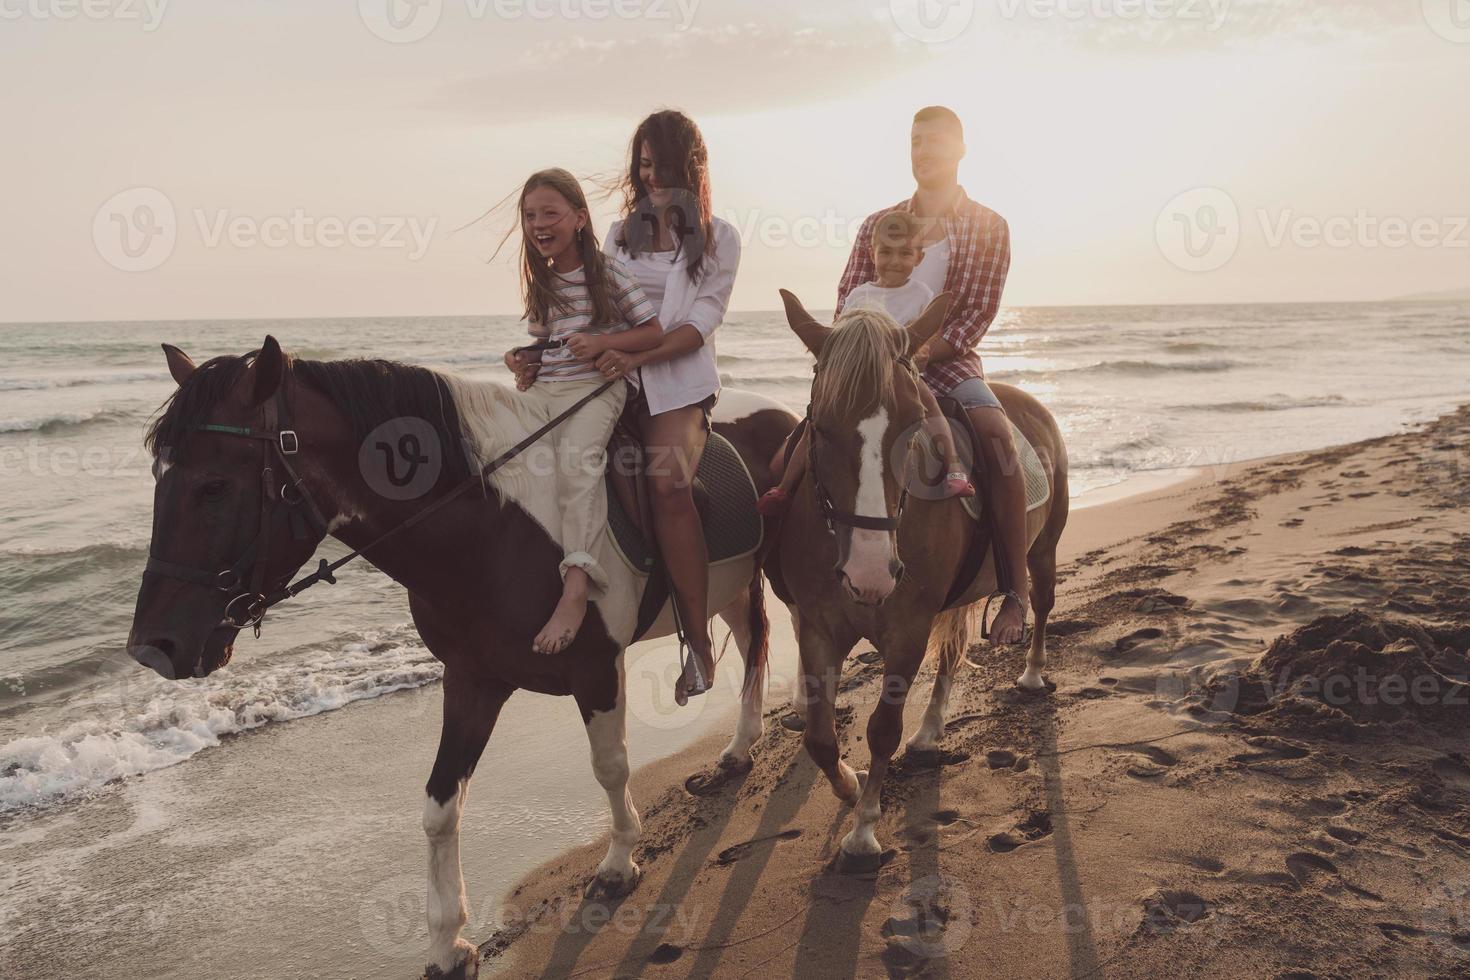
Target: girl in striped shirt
579	304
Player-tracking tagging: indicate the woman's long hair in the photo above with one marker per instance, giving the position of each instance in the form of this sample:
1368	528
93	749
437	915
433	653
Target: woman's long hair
682	164
539	290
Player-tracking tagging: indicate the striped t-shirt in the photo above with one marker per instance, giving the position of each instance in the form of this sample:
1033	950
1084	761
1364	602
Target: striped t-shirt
634	309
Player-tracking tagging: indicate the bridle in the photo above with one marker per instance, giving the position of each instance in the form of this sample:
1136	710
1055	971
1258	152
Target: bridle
833	515
279	441
286	498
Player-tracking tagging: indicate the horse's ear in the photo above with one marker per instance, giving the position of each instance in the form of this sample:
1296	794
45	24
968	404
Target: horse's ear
179	364
927	326
268	370
803	324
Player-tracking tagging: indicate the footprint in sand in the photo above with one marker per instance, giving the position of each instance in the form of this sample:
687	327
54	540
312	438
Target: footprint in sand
1137	638
1315	872
1293	522
1150	761
1170	908
1034	828
1006	759
736	852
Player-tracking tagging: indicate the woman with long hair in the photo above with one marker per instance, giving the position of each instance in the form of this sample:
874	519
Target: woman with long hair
685	259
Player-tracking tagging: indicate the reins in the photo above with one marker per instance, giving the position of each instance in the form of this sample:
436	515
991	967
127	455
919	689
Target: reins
276	436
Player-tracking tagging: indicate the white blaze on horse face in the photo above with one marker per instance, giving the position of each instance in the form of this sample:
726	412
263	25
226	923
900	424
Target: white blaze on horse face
869	566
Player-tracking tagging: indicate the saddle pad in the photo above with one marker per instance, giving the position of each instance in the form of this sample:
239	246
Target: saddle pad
1038	484
725	494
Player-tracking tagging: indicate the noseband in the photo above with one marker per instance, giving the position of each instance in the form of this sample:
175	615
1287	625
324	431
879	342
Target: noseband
286	498
830	512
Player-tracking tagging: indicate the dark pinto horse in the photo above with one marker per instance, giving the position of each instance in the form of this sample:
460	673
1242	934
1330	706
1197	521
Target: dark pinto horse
854	519
260	456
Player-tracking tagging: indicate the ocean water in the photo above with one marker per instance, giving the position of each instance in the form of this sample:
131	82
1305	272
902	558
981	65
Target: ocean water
1135	389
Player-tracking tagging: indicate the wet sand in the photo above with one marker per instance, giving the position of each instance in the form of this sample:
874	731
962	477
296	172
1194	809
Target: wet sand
1254	765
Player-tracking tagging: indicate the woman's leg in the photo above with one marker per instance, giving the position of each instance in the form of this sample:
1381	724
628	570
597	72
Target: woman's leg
581	458
675	441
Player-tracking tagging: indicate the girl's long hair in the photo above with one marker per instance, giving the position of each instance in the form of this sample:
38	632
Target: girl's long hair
539	290
682	163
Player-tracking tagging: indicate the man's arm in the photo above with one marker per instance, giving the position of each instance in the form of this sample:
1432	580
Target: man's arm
860	263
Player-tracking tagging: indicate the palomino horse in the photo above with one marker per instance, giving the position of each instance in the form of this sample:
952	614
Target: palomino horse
260	456
859	558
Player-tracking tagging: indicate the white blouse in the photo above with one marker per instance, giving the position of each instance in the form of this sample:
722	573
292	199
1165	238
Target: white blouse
689	378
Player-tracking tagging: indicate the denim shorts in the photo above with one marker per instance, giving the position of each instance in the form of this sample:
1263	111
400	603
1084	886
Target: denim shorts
974	393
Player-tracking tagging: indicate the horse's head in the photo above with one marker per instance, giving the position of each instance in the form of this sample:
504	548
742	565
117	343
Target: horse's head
224	531
866	409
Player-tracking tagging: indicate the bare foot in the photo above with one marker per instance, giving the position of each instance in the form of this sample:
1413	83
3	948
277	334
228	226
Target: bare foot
688	685
1009	624
566	619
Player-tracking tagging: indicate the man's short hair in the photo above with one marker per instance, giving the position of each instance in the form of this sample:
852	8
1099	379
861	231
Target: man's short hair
941	114
897	228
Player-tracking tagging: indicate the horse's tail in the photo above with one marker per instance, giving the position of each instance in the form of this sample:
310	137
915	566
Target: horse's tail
949	637
756	662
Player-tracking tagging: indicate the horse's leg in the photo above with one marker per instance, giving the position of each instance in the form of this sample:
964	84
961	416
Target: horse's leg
604	713
471	707
950	636
821	667
885	728
738	615
1043	566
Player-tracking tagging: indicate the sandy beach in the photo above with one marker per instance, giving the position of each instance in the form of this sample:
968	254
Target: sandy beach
1253	765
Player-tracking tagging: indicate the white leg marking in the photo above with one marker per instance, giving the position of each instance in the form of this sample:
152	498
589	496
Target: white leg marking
608	737
750	726
931	729
446	900
863	838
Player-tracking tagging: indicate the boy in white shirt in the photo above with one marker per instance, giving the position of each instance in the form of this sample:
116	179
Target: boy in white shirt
896	253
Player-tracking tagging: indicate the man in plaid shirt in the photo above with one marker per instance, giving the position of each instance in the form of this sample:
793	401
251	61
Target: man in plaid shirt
967	252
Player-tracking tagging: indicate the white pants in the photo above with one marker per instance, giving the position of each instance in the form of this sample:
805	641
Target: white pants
578	464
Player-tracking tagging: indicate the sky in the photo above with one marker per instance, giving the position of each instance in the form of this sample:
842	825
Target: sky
279	158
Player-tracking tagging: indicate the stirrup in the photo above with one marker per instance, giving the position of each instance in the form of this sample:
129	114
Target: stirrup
701	683
1003	596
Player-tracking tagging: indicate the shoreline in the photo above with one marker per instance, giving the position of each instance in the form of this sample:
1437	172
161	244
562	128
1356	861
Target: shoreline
1140	793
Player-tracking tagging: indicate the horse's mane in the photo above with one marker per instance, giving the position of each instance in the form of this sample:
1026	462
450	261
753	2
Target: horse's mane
855	369
367	392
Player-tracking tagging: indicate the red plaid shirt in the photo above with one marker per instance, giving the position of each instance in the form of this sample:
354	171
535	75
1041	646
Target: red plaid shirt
979	258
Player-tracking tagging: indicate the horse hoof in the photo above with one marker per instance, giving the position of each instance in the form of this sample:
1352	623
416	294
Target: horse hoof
1034	684
793	722
861	864
608	887
736	763
467	966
